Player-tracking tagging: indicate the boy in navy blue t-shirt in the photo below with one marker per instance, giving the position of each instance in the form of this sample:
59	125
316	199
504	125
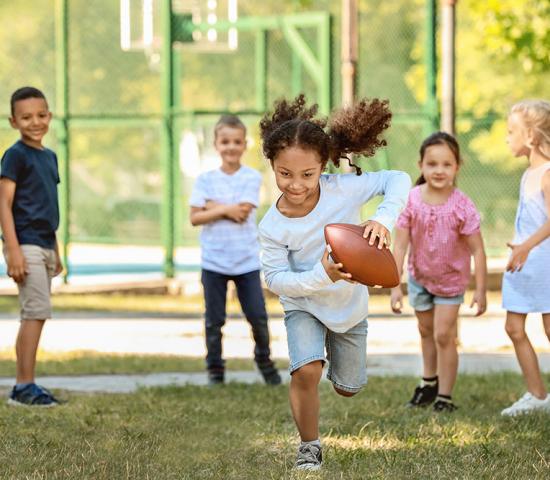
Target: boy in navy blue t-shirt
29	216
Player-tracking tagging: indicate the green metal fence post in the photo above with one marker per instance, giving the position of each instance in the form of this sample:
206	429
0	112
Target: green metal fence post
167	91
261	70
431	108
62	127
296	74
325	59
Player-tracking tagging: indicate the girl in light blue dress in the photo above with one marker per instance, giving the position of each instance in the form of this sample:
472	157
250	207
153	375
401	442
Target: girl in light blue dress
526	285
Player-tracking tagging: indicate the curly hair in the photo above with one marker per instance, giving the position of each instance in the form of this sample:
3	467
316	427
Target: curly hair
349	130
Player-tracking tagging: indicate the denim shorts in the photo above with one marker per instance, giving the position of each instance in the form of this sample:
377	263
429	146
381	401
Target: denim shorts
422	300
346	352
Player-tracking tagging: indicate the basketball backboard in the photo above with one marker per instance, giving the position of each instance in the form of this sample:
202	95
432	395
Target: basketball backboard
140	28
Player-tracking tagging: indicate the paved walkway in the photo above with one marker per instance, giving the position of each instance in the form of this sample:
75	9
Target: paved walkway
397	364
393	345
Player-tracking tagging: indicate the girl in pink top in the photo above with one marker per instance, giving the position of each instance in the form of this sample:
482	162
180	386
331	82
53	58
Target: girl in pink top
441	224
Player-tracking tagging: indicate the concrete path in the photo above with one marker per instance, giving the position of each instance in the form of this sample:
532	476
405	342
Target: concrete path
393	346
377	365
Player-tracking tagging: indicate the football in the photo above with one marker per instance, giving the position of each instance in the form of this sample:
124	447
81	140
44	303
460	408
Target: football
367	264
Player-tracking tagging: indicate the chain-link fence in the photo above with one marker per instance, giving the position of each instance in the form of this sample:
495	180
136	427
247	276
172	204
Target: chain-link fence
115	108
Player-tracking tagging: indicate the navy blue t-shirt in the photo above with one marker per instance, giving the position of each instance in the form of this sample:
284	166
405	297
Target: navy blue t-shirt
35	207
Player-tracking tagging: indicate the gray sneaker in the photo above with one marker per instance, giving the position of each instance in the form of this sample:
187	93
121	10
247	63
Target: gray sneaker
310	457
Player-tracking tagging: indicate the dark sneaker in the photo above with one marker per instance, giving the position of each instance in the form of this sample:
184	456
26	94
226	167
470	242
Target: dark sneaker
215	377
444	406
32	395
310	457
423	396
270	374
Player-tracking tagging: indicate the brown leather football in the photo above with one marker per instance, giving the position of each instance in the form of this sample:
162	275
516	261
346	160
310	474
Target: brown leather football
367	264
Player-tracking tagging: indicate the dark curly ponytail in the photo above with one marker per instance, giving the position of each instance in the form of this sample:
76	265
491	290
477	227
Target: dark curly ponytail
350	130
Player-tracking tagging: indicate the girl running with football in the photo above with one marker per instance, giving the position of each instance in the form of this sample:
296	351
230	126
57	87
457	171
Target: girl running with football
322	311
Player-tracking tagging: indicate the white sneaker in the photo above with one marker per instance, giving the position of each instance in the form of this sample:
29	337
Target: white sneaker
526	404
310	457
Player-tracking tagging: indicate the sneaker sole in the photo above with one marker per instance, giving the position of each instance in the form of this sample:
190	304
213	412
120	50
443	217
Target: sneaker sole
15	403
309	468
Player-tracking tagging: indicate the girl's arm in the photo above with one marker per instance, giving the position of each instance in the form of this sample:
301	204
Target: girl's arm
17	266
281	281
475	244
401	245
395	186
521	251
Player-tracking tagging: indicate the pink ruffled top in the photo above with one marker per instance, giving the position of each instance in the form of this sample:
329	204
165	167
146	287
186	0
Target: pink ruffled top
439	257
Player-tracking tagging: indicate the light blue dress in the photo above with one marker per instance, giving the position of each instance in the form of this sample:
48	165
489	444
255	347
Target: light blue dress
528	290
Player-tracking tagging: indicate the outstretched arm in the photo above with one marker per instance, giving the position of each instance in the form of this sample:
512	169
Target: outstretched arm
475	244
520	252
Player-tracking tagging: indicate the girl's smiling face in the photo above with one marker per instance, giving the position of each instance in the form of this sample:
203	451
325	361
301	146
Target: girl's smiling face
439	166
297	173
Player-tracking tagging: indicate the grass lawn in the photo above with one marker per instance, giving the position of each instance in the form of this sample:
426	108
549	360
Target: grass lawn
178	304
246	432
94	363
154	304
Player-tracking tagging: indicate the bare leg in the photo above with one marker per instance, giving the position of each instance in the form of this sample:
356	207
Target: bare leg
427	342
25	349
445	334
546	323
527	358
304	399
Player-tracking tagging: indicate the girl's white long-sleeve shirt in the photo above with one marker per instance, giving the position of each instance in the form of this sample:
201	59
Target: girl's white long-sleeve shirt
292	248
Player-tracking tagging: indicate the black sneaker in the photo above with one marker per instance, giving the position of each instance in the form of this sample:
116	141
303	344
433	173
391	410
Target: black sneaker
310	457
32	395
216	377
270	374
423	396
444	406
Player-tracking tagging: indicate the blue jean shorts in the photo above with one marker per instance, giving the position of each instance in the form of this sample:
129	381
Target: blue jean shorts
422	300
346	352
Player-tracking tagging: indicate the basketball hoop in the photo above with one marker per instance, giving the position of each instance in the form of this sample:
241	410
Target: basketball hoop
195	26
205	16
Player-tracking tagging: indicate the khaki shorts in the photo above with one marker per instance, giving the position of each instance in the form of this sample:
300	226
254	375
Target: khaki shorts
34	292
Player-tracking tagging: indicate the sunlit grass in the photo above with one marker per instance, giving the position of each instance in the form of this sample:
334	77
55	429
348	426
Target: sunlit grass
246	432
85	362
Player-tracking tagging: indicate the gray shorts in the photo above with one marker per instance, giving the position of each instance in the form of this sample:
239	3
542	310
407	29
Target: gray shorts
34	292
346	352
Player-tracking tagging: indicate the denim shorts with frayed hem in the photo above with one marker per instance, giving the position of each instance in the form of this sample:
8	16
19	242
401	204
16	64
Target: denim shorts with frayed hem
422	300
309	340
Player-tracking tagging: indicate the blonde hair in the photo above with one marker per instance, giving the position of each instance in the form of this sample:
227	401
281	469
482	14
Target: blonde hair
536	115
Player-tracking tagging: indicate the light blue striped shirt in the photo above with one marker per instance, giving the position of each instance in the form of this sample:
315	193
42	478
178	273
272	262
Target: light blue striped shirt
229	247
292	248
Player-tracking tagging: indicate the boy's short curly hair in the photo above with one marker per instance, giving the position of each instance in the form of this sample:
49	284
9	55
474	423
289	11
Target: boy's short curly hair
22	94
349	130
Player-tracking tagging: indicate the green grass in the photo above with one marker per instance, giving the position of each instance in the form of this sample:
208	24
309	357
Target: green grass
163	304
94	363
246	432
184	305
